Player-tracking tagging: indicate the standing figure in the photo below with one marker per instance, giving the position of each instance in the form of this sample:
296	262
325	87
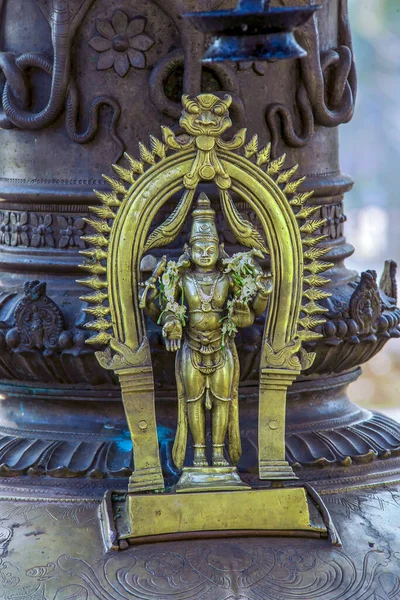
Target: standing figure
202	299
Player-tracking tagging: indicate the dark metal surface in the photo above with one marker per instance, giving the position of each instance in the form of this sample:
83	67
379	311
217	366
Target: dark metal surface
43	557
253	31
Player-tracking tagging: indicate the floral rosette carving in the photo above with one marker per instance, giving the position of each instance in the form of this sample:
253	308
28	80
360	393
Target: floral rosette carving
19	228
42	232
71	231
122	43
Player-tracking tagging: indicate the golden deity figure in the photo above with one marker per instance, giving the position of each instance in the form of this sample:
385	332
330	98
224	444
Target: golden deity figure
200	301
203	298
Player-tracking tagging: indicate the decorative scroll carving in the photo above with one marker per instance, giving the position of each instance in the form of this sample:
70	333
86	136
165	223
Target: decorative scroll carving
362	313
220	569
365	304
39	320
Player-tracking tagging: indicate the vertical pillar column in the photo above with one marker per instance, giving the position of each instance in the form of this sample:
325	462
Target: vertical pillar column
137	385
271	424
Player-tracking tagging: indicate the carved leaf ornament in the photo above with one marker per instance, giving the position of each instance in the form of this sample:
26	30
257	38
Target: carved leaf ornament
178	164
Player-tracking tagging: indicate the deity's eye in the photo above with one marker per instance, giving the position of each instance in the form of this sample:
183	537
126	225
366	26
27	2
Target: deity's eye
219	110
194	109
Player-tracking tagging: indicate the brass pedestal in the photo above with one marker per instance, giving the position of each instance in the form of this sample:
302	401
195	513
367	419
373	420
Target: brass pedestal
210	479
157	517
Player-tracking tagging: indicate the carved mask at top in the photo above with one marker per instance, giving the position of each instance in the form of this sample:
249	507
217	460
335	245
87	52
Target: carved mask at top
206	115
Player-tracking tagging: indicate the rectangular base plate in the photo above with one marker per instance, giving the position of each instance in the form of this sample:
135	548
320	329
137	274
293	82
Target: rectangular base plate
209	479
153	517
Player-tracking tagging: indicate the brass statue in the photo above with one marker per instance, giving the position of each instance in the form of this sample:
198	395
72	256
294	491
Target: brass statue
203	299
205	296
200	301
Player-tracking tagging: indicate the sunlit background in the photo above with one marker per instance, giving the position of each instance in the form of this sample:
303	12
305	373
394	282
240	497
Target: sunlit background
370	152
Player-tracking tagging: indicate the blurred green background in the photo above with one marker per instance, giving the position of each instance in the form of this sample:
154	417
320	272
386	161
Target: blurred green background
370	153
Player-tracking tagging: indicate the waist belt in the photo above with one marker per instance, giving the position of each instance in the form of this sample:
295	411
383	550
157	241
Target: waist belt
205	344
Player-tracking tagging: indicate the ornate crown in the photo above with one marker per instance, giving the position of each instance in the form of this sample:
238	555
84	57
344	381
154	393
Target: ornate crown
203	226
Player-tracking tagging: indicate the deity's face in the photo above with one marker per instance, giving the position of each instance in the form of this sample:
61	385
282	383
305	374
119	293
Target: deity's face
205	254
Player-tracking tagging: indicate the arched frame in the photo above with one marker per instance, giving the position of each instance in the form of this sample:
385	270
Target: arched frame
144	200
122	237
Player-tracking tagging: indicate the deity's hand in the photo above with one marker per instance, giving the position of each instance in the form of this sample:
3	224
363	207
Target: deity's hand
172	334
150	286
149	292
264	285
241	314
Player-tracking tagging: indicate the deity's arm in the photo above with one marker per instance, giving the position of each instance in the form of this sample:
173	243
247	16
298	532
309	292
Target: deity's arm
242	313
264	285
260	301
151	291
172	318
160	314
151	308
165	314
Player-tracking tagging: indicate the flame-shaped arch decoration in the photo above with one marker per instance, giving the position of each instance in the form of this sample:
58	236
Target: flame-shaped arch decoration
121	237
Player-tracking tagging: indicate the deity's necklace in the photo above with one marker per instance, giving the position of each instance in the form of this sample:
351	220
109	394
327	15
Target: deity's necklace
206	299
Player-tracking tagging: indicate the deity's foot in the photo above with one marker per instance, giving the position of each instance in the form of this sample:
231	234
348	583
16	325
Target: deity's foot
220	462
200	459
206	479
200	462
218	459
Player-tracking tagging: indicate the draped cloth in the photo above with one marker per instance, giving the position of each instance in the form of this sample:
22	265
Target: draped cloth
181	437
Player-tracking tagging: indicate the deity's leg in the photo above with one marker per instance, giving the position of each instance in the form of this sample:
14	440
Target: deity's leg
197	425
194	384
220	417
221	388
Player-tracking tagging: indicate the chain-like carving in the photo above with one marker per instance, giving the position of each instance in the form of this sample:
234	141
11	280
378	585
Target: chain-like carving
316	104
